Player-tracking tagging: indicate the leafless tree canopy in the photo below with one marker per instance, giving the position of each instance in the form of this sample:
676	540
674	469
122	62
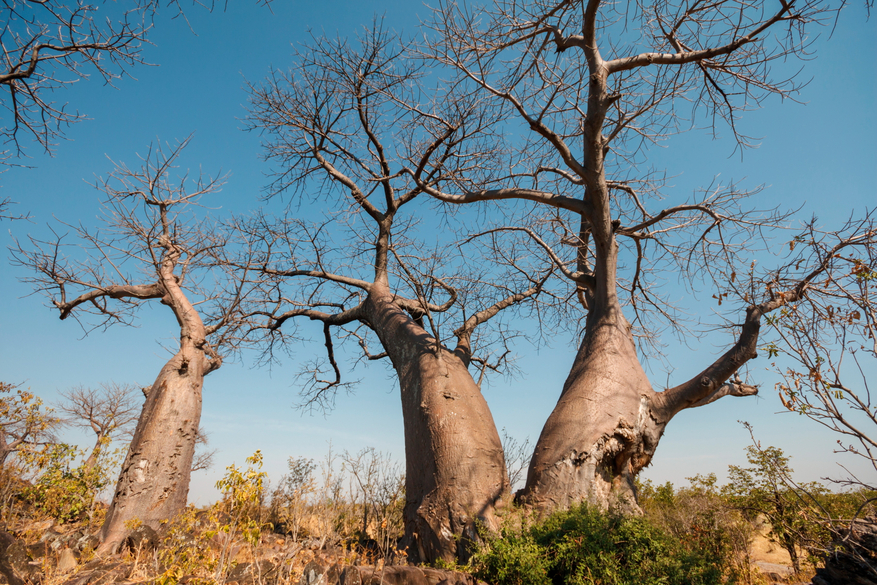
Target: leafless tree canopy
110	412
203	454
825	345
113	408
152	247
49	44
347	122
589	86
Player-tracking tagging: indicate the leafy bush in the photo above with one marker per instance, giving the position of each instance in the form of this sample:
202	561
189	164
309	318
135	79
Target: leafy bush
66	491
803	517
701	517
584	545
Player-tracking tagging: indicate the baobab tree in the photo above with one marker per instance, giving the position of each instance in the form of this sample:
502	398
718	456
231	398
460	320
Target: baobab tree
343	121
590	84
152	249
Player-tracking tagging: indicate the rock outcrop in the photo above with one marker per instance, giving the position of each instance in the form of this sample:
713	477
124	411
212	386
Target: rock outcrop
855	560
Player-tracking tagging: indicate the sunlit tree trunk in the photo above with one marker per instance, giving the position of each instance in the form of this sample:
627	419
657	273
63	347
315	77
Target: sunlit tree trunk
455	470
602	431
154	482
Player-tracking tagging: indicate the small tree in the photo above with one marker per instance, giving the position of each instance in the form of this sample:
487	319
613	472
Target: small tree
109	412
25	424
66	486
763	490
26	433
152	249
290	499
377	489
242	492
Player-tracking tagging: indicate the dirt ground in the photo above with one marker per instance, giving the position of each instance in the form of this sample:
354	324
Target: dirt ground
773	561
763	550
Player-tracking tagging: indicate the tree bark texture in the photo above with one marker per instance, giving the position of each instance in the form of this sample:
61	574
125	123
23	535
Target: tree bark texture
608	421
154	481
455	468
602	431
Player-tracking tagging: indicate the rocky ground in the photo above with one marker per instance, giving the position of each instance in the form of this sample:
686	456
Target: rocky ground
46	554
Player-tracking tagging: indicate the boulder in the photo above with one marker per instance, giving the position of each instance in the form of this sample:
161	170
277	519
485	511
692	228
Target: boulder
142	539
52	539
14	562
854	561
314	574
38	550
250	573
87	542
66	561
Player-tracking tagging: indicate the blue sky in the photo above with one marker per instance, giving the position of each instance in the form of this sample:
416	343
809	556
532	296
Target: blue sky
821	155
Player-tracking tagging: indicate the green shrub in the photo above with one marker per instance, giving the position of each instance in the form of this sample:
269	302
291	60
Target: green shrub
702	519
65	491
513	560
584	545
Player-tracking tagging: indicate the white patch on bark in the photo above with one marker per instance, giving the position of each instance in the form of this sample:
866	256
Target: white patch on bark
643	414
141	470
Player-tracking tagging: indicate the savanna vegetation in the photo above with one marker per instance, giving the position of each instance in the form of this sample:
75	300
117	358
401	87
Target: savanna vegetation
525	129
348	510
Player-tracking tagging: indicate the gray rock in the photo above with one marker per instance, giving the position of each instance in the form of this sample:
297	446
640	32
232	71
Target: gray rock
87	542
350	576
53	539
249	573
313	574
14	562
143	539
38	550
67	561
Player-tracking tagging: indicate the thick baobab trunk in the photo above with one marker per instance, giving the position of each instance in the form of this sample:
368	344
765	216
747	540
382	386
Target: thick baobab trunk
602	431
455	469
154	481
608	421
